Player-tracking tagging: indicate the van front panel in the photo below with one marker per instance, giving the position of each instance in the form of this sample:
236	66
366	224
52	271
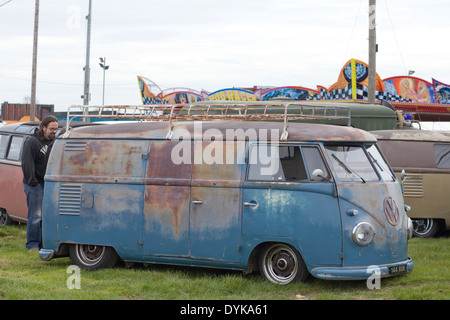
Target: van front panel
371	200
369	193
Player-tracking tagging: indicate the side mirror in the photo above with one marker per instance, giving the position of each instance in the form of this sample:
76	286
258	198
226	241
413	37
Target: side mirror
403	175
317	175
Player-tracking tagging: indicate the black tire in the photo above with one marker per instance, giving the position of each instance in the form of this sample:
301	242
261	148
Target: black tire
425	228
281	264
5	219
92	257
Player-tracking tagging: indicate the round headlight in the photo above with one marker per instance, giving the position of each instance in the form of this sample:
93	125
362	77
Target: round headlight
363	233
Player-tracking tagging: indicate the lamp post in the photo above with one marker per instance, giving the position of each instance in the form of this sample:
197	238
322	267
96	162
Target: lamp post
33	70
372	52
87	69
104	67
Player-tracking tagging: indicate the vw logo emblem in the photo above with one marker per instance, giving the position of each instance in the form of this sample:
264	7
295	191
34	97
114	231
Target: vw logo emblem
391	210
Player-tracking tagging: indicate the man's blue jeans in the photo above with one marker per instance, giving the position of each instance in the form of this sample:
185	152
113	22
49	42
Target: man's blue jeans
35	196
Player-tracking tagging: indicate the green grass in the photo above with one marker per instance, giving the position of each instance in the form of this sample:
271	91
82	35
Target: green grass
24	276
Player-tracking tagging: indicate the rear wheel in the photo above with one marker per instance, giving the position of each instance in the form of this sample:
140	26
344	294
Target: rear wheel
92	257
281	264
425	228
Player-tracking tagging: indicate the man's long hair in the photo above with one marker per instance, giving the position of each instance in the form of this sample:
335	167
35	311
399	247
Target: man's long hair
44	123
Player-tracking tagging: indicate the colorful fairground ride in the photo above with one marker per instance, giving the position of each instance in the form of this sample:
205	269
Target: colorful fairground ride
399	101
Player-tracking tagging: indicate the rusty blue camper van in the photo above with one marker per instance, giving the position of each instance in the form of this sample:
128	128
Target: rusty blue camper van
287	199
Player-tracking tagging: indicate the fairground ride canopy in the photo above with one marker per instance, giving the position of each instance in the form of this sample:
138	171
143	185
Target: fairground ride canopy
425	101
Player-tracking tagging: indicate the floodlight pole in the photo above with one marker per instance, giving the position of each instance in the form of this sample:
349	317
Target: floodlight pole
104	67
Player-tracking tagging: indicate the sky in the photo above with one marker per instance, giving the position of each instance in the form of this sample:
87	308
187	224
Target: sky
211	45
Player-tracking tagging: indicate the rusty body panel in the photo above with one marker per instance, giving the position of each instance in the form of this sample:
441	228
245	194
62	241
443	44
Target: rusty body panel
422	155
13	203
190	199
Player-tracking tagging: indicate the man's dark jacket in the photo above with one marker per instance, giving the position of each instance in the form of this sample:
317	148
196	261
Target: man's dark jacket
34	159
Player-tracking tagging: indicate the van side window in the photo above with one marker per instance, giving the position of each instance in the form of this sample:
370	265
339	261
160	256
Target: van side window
3	145
276	163
314	161
442	153
14	149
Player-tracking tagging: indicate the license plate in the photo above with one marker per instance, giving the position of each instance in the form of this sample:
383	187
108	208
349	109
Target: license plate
397	269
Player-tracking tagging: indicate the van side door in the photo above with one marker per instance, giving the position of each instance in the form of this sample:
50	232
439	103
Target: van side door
281	202
167	199
215	219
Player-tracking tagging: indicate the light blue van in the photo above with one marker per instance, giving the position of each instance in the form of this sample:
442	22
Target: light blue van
288	201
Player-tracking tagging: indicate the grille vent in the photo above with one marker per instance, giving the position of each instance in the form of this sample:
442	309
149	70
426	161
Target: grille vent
413	186
69	199
75	146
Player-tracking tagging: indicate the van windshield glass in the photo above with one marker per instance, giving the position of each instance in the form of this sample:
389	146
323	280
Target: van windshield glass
351	163
380	164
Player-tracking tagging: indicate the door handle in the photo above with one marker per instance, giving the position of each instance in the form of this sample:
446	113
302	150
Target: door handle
197	202
252	203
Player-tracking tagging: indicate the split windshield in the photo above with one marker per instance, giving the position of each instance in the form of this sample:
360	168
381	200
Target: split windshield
352	163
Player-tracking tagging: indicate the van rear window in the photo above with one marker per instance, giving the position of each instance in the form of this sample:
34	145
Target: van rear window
14	149
442	153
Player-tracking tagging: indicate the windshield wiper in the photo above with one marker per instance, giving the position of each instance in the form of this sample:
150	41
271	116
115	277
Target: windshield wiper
379	165
347	169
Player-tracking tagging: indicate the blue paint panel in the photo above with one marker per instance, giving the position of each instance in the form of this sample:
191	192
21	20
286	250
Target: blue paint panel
50	235
215	228
390	243
114	220
307	212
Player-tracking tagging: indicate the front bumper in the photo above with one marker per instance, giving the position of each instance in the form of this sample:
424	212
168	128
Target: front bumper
362	273
46	254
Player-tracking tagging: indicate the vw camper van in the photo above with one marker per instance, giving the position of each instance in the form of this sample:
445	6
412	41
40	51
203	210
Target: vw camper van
287	199
425	157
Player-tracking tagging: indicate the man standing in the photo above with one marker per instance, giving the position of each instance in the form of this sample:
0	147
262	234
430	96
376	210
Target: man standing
34	164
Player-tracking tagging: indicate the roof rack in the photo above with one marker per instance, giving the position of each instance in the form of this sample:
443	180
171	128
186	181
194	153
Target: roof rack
211	110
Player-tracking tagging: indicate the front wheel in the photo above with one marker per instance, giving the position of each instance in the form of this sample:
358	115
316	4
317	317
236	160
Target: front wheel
4	218
281	264
92	257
